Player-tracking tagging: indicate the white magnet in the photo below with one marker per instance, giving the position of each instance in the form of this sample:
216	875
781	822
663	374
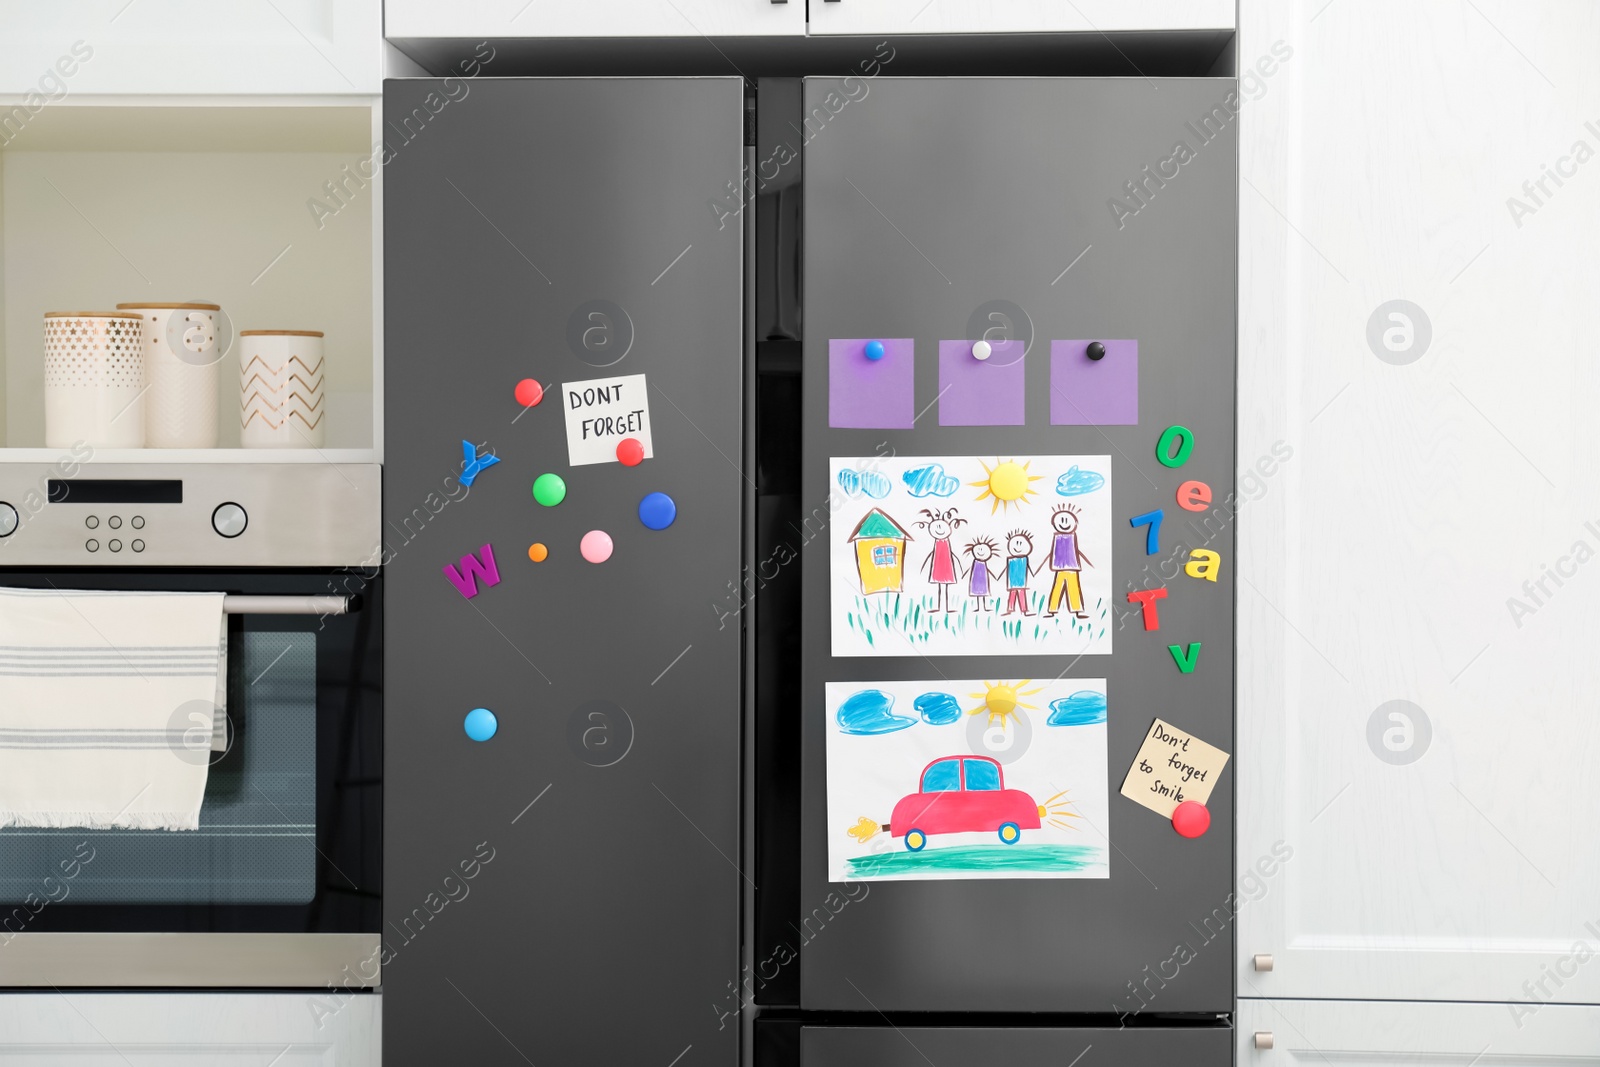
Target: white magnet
981	350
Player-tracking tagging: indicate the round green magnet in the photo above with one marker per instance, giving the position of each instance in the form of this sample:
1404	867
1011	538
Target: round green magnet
549	489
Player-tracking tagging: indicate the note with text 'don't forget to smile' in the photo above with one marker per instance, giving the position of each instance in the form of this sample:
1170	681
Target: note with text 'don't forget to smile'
1172	766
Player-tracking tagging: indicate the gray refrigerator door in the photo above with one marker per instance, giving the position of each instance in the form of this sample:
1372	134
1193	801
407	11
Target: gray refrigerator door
1042	209
565	891
976	1046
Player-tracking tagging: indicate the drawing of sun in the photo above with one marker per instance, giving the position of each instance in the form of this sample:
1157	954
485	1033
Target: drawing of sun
1008	483
1002	699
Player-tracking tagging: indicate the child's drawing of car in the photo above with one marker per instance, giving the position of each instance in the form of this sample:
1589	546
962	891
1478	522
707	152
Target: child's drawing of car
963	794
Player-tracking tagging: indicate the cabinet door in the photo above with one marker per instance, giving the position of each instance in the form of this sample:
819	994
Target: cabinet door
171	46
597	18
307	1029
1017	16
569	887
1403	1034
1416	585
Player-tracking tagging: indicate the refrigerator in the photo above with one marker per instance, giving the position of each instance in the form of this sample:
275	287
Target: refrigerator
692	668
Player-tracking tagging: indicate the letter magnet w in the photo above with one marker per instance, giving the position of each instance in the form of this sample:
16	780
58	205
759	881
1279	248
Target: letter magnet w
472	570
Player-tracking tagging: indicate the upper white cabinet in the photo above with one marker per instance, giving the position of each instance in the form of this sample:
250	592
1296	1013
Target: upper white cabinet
50	51
481	19
1017	16
1420	515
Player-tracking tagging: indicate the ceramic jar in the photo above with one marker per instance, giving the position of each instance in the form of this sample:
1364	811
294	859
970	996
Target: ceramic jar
280	389
93	379
182	344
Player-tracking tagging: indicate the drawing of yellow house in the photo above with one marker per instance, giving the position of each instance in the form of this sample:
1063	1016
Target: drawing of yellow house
880	552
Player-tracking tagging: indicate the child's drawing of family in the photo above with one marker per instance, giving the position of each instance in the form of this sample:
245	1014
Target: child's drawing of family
1006	572
985	574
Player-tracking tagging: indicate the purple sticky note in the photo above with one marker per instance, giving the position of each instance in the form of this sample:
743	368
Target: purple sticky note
1094	392
981	392
871	394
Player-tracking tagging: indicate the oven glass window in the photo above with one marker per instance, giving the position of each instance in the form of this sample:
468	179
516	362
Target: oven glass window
257	838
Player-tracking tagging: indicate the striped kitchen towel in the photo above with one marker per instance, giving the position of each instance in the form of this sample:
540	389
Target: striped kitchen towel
108	704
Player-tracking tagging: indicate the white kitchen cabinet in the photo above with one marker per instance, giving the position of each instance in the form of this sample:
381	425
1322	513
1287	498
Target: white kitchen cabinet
214	1029
487	19
1016	16
188	47
269	208
1420	507
1404	1034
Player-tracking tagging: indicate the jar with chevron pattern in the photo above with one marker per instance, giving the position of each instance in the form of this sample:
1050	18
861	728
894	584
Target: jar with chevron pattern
280	389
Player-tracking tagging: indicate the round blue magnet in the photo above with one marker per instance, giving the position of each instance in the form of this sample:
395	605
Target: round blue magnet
657	511
481	724
874	350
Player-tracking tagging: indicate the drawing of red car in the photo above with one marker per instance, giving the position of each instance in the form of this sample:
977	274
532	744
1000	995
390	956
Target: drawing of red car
963	794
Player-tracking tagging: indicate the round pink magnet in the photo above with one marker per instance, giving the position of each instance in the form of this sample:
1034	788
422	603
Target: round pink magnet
595	546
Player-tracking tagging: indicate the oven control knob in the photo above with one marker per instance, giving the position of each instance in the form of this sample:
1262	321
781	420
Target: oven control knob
8	519
229	520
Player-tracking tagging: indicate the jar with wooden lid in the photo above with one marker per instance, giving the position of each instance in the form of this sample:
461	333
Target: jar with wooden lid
280	389
93	379
182	344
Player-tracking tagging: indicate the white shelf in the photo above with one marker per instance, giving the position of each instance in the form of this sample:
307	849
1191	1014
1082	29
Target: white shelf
105	200
195	455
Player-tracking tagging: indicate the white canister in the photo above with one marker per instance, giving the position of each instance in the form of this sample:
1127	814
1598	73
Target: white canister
182	344
280	389
93	379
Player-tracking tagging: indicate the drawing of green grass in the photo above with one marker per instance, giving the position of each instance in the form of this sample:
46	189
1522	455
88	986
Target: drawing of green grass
1024	857
916	619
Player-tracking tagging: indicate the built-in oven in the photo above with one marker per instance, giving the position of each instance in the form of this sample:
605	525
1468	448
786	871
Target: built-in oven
280	885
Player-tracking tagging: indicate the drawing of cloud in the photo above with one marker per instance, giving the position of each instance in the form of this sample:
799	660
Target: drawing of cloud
937	709
1083	708
872	483
868	712
1076	482
930	481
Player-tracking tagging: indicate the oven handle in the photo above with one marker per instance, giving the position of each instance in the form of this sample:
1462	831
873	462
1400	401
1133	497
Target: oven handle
287	605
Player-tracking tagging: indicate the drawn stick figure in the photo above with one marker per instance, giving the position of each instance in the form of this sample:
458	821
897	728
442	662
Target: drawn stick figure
942	567
982	551
1067	561
1019	550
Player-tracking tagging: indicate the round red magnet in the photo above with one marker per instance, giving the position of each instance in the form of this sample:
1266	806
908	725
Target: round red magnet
630	453
1191	819
529	392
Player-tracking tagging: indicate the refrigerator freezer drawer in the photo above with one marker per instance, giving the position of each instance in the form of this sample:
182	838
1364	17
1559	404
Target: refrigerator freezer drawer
980	1046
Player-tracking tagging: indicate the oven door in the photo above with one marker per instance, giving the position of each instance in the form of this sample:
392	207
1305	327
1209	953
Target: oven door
280	886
